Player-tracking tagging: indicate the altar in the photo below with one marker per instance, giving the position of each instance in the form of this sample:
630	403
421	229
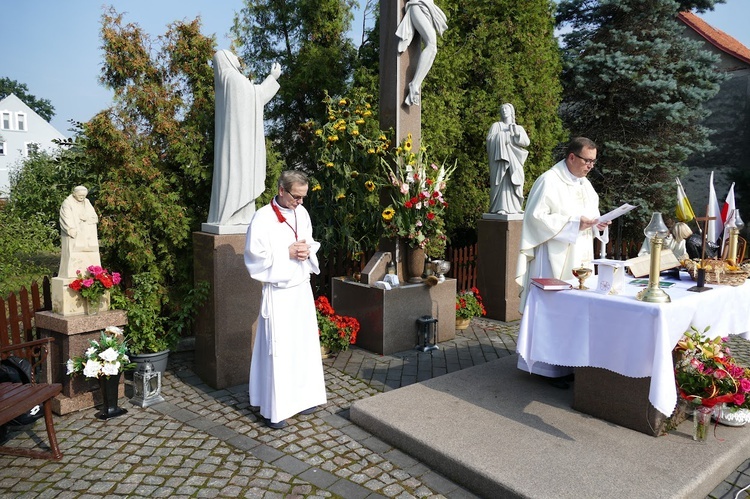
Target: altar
618	333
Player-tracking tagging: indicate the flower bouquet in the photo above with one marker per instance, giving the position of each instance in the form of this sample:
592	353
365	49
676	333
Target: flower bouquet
707	375
469	304
93	284
106	357
336	332
416	211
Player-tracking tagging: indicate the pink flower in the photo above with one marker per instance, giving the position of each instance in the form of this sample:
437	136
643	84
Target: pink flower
116	278
745	385
95	270
87	283
739	398
404	188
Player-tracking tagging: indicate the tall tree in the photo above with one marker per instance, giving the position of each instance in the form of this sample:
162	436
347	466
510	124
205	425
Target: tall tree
153	150
636	85
494	51
308	38
42	107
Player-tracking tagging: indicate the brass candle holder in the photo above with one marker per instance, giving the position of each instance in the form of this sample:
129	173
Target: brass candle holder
656	231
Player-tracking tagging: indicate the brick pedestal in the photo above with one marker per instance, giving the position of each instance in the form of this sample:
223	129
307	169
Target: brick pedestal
72	335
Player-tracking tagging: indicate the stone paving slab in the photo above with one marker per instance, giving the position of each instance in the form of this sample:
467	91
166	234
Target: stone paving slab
520	437
210	443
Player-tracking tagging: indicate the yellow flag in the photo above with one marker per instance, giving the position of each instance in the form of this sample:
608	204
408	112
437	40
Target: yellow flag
683	211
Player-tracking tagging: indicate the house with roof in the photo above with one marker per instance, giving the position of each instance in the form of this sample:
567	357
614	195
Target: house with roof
22	131
729	120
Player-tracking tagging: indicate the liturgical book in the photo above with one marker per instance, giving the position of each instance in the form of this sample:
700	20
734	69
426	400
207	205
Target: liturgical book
550	283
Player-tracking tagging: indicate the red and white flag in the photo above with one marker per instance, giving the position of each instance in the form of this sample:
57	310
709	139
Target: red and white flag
716	226
728	215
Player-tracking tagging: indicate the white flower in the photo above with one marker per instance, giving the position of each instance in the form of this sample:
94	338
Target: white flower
109	355
70	366
91	369
115	331
90	352
111	368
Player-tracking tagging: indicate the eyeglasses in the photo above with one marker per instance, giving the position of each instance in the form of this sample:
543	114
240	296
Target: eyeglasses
296	198
588	161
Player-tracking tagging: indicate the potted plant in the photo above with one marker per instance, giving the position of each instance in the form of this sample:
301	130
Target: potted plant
468	305
708	378
336	332
93	284
151	332
104	360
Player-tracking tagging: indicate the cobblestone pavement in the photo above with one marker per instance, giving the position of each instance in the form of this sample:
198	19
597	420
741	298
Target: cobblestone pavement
210	443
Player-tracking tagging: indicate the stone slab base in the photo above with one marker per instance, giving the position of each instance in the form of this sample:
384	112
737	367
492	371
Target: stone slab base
388	319
498	245
63	404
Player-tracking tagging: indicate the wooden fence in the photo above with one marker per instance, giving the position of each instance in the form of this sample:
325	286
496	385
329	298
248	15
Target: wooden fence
17	313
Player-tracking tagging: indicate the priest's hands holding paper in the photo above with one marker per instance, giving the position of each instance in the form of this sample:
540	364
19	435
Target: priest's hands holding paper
587	223
299	250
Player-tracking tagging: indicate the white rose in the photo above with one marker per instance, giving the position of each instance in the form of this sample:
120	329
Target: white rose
111	368
70	366
109	355
91	369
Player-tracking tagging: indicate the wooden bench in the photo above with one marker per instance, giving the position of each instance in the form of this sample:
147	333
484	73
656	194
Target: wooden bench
17	398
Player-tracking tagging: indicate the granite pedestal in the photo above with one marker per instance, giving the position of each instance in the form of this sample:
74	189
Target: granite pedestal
499	241
72	335
388	318
225	327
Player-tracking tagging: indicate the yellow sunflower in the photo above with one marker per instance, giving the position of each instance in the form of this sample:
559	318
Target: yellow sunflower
316	187
370	185
388	214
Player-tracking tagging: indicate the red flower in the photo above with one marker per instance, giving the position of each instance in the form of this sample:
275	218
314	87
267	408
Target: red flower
408	204
430	216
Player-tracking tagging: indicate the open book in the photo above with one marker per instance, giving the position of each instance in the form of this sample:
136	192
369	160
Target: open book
550	283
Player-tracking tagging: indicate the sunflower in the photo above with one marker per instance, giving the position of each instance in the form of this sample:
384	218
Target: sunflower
388	214
316	187
370	185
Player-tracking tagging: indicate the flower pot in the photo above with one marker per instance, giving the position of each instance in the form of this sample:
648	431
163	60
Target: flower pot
462	324
325	352
415	260
158	360
109	387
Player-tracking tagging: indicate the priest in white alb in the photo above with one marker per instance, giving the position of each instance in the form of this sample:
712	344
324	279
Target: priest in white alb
286	373
557	233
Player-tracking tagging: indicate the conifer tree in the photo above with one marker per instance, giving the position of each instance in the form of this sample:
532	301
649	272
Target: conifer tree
636	85
309	40
494	51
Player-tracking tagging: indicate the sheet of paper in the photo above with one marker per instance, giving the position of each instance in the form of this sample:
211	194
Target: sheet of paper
608	217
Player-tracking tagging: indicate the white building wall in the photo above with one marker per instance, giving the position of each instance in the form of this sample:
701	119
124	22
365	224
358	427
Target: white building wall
20	128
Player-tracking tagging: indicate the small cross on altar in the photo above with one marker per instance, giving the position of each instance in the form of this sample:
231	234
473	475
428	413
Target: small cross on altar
700	278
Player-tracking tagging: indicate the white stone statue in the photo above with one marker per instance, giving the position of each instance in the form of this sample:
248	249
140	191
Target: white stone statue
239	146
506	154
429	21
78	235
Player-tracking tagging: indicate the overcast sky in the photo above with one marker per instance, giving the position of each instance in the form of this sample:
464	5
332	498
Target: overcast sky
54	47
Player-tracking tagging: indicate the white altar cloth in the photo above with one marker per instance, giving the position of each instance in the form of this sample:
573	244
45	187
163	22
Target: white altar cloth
617	332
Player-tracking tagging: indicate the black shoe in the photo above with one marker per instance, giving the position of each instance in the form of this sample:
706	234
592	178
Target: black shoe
309	411
276	426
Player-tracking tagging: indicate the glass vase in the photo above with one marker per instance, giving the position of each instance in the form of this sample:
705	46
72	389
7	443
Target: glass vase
701	422
92	305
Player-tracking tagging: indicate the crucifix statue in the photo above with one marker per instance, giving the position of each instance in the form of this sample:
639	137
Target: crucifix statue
404	27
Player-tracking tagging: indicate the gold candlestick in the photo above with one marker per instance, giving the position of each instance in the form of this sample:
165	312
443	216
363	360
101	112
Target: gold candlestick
655	231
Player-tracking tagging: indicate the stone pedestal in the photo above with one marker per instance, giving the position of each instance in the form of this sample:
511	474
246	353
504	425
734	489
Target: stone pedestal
72	335
499	242
225	328
388	319
68	302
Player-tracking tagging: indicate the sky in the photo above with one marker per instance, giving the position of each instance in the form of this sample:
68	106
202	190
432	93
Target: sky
54	46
